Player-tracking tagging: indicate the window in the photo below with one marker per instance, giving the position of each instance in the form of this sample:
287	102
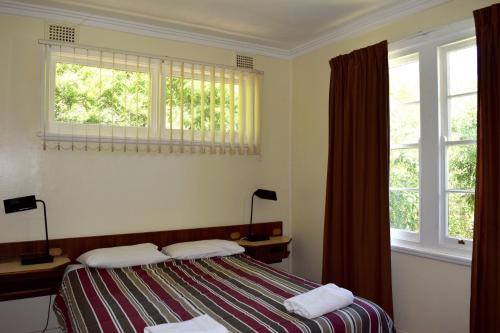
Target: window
182	91
97	96
458	99
106	98
198	99
92	95
433	144
404	155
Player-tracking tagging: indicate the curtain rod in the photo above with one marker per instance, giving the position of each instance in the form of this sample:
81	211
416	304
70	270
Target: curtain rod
146	55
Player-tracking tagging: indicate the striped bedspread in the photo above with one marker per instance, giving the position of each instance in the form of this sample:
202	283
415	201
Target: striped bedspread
242	294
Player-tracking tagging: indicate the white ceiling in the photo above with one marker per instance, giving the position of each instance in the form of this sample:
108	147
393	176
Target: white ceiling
282	24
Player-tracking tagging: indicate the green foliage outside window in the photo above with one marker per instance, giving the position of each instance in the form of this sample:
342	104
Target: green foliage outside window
461	215
404	163
404	205
90	95
461	176
404	168
404	210
176	85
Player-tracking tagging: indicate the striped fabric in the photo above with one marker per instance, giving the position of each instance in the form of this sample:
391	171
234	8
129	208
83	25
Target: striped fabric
239	292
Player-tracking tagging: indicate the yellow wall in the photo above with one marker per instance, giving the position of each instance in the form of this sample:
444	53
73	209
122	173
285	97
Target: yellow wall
432	298
94	193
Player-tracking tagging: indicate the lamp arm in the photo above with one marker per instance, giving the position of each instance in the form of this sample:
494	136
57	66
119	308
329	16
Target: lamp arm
46	229
251	218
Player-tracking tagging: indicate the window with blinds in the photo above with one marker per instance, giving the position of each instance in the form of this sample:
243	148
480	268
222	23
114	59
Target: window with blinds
110	100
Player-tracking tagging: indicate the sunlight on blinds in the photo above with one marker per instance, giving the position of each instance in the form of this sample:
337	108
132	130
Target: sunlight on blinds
109	100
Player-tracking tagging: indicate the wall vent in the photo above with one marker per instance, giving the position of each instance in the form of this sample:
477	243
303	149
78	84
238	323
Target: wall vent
244	61
62	33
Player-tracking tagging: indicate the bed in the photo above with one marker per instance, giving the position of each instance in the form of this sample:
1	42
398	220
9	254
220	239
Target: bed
241	293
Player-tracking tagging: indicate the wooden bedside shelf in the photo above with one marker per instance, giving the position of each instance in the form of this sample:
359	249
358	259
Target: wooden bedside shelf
23	281
269	251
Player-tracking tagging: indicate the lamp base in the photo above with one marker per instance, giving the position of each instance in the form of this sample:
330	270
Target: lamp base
33	259
257	238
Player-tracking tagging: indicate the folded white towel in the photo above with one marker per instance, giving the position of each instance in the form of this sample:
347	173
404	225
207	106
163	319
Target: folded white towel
201	324
319	301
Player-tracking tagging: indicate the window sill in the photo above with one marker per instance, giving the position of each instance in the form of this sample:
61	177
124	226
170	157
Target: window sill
65	142
459	257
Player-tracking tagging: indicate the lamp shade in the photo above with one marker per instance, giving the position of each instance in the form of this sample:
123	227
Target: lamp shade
266	194
19	204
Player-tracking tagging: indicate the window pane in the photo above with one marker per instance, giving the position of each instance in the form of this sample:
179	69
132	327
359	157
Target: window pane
463	117
462	71
174	87
460	215
404	168
91	95
462	166
404	210
405	122
404	80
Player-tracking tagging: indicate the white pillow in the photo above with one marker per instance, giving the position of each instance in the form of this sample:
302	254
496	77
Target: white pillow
123	256
203	249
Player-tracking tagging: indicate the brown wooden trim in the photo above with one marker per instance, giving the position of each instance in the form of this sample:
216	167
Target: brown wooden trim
73	247
27	294
269	242
30	283
270	251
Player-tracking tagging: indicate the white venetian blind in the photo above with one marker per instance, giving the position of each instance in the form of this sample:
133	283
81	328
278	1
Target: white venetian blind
112	100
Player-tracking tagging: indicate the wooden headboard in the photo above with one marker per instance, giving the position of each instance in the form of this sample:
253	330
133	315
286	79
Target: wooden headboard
73	247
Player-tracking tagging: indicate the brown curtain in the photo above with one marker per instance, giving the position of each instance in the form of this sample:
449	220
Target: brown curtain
485	286
356	248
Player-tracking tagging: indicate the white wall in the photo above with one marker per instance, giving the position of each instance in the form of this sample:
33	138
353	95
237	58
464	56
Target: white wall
429	296
97	193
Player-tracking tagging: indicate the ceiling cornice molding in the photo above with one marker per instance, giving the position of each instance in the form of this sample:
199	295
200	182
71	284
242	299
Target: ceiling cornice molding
370	21
438	36
79	18
374	20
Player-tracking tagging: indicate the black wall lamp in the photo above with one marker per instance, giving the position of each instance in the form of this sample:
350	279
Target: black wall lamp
27	203
262	194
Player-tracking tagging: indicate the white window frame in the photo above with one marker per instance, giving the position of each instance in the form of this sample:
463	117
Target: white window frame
444	238
176	132
245	136
406	235
101	130
431	242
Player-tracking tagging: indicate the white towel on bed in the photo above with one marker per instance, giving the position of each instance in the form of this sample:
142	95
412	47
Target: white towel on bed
201	324
319	301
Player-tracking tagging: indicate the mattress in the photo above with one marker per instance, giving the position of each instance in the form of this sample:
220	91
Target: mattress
243	294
